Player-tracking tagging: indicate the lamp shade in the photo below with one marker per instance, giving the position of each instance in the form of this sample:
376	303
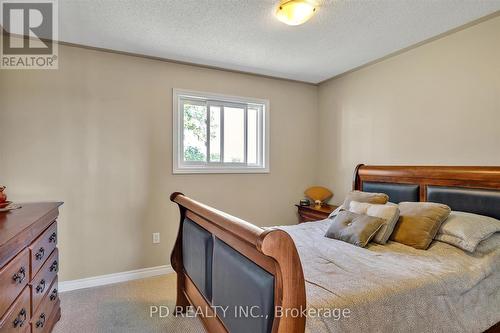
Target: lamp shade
318	193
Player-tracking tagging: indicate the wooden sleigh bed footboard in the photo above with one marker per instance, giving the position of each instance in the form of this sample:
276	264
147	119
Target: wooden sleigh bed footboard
236	276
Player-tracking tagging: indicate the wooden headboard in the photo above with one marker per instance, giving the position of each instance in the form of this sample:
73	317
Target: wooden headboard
465	188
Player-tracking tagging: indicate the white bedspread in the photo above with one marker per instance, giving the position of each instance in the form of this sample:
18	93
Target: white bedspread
395	288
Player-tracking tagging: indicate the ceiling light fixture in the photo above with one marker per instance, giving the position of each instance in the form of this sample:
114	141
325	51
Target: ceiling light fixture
295	12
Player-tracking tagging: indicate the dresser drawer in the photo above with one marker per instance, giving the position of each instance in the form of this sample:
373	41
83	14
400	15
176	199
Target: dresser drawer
53	292
308	216
18	316
13	278
41	248
44	318
41	283
314	213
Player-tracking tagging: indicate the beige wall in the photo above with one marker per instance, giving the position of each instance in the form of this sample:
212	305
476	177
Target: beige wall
436	104
97	134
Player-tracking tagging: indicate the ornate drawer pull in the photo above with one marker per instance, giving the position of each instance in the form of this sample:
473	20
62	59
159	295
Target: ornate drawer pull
41	287
40	322
54	266
53	295
21	318
19	276
39	255
53	237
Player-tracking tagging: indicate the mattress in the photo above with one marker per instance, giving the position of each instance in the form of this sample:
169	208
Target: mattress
396	288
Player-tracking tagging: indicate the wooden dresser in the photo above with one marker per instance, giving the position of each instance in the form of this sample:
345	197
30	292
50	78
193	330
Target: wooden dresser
29	263
314	213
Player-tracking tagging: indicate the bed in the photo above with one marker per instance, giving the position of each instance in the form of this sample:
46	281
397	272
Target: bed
242	278
396	288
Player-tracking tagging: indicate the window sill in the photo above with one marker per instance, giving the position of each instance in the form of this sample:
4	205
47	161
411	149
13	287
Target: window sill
184	171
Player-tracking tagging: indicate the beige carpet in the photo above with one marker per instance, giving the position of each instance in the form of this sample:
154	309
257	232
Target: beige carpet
123	307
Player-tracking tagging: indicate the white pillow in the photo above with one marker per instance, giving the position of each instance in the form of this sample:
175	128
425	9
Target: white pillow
360	196
467	230
388	212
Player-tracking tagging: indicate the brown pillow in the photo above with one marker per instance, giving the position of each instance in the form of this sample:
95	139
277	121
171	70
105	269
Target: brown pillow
356	229
367	197
418	223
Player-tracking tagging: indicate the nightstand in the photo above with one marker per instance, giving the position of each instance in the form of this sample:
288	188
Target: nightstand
314	213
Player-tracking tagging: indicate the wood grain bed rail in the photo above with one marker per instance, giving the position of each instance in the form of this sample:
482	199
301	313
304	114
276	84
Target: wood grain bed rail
488	176
480	177
271	249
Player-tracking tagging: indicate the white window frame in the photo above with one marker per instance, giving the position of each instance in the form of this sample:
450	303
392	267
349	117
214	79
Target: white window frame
211	99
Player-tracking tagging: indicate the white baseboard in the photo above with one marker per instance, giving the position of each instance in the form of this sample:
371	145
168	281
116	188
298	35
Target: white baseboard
102	280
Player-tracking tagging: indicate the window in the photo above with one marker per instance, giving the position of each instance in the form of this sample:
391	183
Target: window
219	134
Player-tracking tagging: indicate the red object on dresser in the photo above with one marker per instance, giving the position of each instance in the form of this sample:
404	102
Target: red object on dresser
3	196
29	263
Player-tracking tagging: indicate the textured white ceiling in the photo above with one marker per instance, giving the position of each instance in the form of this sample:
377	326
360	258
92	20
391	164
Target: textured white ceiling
244	35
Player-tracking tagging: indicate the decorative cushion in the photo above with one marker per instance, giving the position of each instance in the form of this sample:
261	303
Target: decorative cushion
359	196
418	223
467	230
388	212
354	228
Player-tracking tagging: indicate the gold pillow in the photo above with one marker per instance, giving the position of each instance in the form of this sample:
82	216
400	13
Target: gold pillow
368	197
356	229
418	223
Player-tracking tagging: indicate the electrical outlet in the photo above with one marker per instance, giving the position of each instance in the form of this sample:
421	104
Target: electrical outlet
156	237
